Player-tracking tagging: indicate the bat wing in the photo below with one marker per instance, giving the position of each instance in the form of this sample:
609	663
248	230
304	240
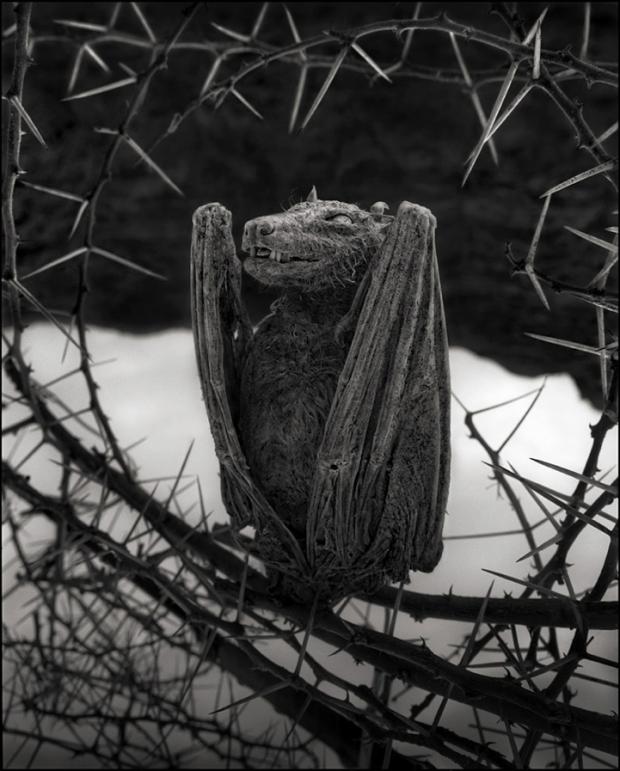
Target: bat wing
221	332
381	481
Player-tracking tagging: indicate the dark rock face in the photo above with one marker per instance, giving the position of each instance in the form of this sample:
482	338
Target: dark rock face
402	141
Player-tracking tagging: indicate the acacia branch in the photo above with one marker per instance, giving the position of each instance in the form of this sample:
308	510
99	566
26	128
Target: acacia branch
440	23
508	610
13	145
571	110
418	666
13	169
259	672
413	664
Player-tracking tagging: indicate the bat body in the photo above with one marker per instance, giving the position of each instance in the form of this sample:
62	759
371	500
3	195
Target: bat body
288	384
331	420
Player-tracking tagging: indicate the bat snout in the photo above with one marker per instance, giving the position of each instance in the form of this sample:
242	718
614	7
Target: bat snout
265	228
255	230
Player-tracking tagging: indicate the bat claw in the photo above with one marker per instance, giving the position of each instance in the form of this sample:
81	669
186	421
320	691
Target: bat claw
210	212
406	207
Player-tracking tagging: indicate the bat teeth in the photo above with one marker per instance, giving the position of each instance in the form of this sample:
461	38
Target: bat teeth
271	254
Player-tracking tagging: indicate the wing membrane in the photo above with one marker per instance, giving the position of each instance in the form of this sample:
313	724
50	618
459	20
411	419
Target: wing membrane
221	331
381	481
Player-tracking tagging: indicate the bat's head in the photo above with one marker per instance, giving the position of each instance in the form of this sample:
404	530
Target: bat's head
314	244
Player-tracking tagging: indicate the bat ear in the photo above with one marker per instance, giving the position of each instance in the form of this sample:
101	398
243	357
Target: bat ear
376	210
312	195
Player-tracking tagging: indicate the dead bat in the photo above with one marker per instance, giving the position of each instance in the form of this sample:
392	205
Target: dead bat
331	419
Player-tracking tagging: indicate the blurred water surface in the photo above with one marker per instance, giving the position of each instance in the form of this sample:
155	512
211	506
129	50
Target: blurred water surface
151	390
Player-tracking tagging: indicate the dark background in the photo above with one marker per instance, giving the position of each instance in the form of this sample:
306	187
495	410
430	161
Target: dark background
368	141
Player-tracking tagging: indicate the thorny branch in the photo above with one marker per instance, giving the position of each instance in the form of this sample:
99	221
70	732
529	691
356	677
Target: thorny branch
108	609
554	570
412	664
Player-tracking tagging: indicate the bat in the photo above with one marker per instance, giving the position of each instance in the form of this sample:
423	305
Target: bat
331	419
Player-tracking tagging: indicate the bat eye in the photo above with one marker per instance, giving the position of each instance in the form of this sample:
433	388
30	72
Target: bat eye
340	218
